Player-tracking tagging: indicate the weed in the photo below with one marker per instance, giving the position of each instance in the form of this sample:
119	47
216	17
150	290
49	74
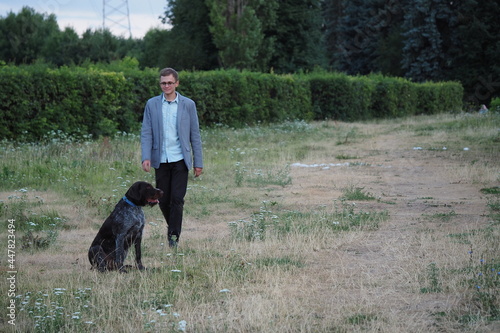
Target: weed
347	218
464	237
485	282
285	262
57	310
442	216
31	220
346	157
239	174
280	177
361	319
491	190
36	242
345	138
356	194
494	205
433	277
19	208
255	229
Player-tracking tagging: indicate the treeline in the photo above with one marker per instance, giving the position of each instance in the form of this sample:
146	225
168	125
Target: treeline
37	101
420	40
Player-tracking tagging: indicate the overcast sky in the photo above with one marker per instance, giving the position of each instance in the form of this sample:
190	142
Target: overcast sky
84	14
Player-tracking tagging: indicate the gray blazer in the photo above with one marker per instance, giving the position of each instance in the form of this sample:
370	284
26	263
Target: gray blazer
187	126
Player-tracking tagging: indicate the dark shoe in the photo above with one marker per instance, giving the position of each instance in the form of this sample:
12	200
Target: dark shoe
172	243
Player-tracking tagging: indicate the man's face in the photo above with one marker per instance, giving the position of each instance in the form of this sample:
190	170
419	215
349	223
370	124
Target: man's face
168	84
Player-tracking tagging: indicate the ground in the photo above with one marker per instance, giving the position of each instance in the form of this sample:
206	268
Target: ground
435	206
378	269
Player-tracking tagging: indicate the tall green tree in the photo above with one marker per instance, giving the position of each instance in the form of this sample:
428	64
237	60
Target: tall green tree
364	36
155	49
267	12
332	13
474	60
297	34
358	38
388	20
282	36
99	46
430	36
237	32
23	36
189	45
63	48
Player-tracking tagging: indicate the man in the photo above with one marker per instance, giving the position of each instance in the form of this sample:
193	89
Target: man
171	144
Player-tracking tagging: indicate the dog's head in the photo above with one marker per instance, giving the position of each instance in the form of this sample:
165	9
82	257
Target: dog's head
143	193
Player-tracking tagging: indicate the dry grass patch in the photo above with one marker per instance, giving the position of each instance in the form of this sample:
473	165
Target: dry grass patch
296	227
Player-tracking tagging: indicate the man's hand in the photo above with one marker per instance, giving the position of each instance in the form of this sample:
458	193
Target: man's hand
197	172
146	165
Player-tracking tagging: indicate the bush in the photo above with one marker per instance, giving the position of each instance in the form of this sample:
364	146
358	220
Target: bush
436	97
495	105
238	98
37	100
100	101
347	98
332	95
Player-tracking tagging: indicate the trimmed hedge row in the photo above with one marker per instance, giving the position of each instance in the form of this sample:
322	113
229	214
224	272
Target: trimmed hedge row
36	100
238	98
347	98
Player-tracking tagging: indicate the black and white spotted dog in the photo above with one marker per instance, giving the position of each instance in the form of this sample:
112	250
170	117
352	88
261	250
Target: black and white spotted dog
122	229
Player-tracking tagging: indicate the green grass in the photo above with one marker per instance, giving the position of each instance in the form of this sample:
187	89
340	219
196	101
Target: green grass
357	193
346	157
434	284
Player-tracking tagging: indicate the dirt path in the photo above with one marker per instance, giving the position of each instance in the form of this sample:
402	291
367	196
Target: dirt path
382	272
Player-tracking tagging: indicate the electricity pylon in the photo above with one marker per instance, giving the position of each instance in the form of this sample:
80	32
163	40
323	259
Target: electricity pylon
115	15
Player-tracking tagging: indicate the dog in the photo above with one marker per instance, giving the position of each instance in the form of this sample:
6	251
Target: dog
122	229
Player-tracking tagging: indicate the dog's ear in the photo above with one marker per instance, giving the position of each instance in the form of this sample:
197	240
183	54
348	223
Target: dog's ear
134	193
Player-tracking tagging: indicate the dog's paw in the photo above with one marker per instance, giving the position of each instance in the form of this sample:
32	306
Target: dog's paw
101	268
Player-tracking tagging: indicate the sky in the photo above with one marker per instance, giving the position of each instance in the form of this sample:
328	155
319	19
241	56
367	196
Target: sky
84	14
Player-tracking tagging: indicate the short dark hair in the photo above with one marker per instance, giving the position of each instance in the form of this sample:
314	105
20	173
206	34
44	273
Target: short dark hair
169	71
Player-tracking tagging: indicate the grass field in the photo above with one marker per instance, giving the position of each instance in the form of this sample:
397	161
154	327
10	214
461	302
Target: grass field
386	226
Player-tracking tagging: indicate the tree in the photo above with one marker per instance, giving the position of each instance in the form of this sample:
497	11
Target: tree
236	31
388	20
63	48
474	59
297	34
189	45
99	45
358	38
23	36
364	36
282	36
429	32
332	13
155	52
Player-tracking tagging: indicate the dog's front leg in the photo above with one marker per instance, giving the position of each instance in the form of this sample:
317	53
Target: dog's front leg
138	254
120	252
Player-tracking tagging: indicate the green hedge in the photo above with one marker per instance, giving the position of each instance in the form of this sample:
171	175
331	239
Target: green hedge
238	98
36	100
343	97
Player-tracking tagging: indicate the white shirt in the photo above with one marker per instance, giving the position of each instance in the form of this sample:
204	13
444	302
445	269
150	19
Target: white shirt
171	150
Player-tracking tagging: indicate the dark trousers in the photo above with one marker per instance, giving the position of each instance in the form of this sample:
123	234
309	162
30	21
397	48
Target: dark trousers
172	179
